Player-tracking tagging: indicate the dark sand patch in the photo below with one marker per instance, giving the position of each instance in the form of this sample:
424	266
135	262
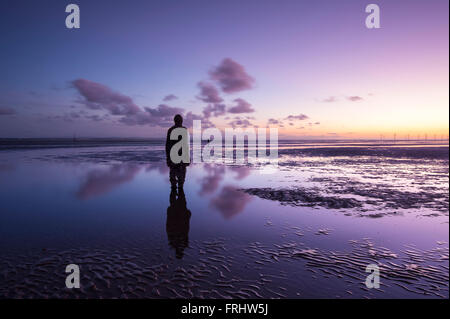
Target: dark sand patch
303	197
371	201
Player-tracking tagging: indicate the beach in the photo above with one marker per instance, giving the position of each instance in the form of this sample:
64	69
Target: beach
308	228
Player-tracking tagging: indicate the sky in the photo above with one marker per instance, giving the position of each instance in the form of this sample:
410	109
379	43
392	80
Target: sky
311	68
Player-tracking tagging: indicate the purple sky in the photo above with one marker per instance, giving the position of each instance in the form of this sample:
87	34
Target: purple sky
311	68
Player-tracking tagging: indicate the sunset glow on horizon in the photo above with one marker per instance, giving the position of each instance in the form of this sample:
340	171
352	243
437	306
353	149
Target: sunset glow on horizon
312	69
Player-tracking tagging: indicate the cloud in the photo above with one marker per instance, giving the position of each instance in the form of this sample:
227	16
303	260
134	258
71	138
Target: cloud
354	98
170	97
274	122
330	99
163	116
190	117
208	93
35	94
290	118
76	115
97	96
160	116
164	110
7	111
214	109
238	122
68	117
231	76
242	106
95	118
300	117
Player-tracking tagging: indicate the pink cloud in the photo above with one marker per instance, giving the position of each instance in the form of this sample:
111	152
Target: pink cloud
330	99
214	109
354	98
98	96
231	76
242	106
300	117
164	110
274	122
238	122
208	93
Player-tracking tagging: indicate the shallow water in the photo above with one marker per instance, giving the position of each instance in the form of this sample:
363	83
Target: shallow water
306	230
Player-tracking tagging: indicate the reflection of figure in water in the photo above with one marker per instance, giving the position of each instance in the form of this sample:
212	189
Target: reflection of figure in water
177	225
177	170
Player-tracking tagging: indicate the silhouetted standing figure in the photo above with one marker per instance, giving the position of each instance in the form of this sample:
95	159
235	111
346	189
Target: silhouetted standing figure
177	224
177	170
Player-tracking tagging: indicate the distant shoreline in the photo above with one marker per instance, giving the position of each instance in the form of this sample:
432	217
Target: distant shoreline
283	145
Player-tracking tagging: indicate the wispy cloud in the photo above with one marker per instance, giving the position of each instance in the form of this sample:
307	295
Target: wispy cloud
354	98
300	117
272	121
164	110
330	99
170	97
161	116
7	111
240	122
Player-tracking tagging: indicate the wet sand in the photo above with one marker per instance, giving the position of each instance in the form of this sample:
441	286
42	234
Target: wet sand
306	231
